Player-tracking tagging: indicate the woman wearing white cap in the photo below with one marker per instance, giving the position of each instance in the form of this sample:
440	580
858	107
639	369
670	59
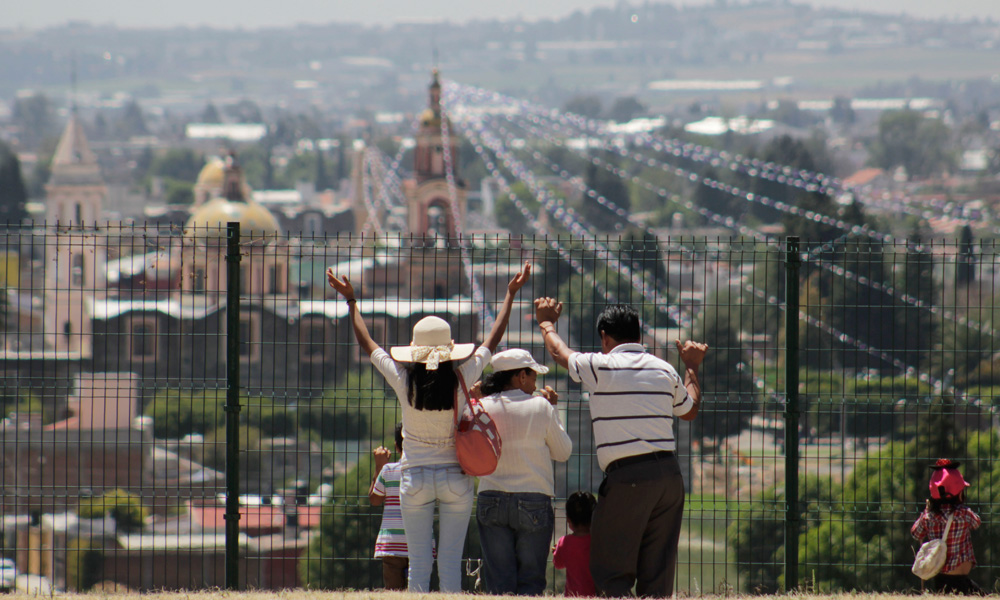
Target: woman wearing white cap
424	376
514	511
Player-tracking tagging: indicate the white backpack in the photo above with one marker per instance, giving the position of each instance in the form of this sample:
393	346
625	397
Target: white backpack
932	554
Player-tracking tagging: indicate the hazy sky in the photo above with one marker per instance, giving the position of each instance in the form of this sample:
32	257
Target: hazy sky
252	14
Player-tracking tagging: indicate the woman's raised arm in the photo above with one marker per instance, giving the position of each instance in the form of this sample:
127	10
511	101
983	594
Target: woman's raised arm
503	317
344	287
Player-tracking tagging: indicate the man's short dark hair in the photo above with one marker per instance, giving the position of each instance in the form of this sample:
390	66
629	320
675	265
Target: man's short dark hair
621	322
580	508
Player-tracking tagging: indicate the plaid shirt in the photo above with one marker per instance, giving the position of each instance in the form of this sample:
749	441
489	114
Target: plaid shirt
930	526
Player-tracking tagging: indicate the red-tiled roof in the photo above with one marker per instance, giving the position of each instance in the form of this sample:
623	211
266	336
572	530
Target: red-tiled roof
863	177
254	518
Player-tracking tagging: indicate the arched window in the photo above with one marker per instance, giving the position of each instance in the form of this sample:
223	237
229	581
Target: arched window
78	273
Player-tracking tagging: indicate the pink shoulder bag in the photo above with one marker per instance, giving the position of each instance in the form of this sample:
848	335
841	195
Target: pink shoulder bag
477	441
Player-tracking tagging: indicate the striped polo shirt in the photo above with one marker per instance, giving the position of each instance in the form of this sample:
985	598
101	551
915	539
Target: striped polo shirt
634	397
391	539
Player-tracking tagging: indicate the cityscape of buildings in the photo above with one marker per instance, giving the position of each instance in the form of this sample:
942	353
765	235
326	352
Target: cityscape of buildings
136	148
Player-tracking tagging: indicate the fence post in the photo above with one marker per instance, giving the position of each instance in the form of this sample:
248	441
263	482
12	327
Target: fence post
792	262
232	516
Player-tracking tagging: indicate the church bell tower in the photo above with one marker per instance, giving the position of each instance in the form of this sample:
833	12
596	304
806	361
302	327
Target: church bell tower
431	210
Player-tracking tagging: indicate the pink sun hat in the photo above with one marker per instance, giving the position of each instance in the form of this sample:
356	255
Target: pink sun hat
946	480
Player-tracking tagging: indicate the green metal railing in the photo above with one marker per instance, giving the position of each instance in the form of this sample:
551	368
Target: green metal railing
203	388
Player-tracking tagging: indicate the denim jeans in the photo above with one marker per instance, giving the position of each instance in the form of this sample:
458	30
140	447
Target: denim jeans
419	489
515	530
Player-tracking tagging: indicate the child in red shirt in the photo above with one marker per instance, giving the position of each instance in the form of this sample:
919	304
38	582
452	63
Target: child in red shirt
572	552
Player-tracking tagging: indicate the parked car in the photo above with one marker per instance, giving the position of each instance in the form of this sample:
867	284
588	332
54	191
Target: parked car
8	574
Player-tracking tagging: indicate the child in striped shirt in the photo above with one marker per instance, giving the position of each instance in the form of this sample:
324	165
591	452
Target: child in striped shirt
390	545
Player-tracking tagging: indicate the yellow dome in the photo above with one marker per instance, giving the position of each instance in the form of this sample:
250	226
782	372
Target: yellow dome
209	220
428	118
212	174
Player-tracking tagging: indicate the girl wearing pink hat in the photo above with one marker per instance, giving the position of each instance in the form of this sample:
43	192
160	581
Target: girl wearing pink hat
424	376
947	489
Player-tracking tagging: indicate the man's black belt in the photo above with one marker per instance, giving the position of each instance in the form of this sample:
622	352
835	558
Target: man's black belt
638	458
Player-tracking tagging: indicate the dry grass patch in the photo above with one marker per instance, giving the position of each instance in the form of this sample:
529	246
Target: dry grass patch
382	595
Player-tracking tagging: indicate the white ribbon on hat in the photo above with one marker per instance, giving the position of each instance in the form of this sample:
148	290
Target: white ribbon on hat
432	355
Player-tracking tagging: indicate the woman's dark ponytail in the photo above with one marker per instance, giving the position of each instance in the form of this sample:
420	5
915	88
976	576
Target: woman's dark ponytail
432	390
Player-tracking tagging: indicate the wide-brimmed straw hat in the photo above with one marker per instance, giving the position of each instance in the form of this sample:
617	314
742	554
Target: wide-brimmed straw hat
432	345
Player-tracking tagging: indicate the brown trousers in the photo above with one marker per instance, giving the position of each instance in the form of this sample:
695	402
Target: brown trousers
394	570
636	528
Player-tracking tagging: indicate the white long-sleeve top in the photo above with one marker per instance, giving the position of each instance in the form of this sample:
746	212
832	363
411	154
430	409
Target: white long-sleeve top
533	436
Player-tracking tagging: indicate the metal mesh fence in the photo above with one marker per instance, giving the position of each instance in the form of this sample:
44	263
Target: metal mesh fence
180	415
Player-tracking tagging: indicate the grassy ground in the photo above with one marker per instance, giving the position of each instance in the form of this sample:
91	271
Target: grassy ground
380	595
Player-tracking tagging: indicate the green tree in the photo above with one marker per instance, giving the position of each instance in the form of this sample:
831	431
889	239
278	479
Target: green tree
300	167
84	564
13	192
965	260
862	311
343	163
244	111
613	188
339	556
757	537
789	113
730	395
213	450
177	413
178	192
182	164
815	342
210	114
99	130
132	122
907	139
810	155
714	199
322	179
125	508
767	278
35	118
640	249
842	113
915	329
509	216
256	163
625	109
586	106
584	303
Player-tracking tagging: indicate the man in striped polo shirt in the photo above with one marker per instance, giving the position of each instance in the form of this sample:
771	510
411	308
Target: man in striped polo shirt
634	397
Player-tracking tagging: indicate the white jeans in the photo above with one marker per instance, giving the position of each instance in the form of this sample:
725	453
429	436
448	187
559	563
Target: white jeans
419	488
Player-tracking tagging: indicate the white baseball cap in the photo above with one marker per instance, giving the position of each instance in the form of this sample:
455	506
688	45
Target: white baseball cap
516	359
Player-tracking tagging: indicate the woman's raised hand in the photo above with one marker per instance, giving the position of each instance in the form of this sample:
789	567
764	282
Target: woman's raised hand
520	279
342	285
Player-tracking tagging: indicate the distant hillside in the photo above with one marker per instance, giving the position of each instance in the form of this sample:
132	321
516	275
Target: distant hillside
611	51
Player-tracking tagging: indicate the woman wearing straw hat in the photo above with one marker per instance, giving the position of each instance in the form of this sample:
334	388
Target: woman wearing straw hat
424	376
514	511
